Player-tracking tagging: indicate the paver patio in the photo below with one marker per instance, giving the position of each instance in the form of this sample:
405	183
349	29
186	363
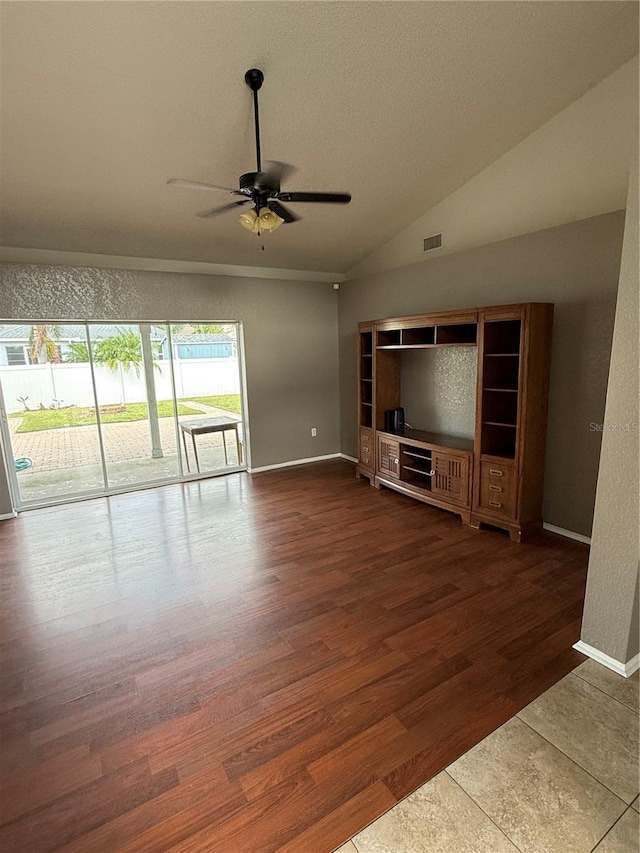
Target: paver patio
67	460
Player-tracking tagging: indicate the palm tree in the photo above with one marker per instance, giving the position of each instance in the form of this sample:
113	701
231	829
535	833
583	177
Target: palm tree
126	350
42	344
123	350
78	353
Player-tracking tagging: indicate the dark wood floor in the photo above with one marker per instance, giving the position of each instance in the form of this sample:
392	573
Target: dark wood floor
259	664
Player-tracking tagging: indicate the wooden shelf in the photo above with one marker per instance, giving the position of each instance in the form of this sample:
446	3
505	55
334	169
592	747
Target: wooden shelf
505	456
365	396
419	455
427	337
425	346
435	440
500	383
417	471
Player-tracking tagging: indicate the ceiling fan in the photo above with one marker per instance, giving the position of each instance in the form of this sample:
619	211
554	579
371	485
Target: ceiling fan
261	189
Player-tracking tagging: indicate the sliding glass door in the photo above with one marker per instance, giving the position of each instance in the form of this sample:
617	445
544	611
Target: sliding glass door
136	403
97	408
50	424
206	359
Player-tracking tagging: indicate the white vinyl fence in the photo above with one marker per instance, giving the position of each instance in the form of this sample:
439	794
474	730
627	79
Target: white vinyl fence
70	384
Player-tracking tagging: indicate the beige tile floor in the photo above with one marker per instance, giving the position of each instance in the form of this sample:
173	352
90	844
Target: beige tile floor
562	776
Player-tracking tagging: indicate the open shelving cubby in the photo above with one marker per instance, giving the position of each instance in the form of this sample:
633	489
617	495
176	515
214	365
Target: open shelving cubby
500	387
365	378
416	466
457	334
389	338
502	338
420	336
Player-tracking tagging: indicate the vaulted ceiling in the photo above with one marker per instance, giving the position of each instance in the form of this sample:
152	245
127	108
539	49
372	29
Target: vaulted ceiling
399	103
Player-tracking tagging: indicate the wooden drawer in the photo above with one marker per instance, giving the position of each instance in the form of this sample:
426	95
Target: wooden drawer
498	489
365	450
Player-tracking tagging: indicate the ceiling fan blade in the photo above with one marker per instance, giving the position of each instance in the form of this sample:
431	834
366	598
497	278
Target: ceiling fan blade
280	170
323	198
216	211
281	211
196	185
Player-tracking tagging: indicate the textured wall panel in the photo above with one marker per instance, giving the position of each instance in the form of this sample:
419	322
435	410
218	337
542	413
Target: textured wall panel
439	389
290	331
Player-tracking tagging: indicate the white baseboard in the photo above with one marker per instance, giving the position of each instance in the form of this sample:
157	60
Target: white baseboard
8	515
569	534
293	463
348	458
625	669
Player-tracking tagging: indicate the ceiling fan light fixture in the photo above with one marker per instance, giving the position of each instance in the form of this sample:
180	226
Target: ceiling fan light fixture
268	220
249	220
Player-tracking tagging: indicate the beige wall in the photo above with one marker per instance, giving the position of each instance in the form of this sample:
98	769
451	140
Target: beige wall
610	622
575	266
573	167
290	331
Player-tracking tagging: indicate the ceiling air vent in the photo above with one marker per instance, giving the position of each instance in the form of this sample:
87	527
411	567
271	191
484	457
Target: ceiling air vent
431	243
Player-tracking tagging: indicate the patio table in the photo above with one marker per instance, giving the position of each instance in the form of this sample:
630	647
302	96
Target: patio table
207	425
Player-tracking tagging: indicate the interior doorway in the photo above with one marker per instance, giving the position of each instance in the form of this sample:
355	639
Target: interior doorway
96	408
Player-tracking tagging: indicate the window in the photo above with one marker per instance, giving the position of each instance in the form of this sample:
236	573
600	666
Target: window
15	355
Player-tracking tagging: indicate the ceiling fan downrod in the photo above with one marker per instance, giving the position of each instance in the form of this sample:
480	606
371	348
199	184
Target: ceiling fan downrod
254	78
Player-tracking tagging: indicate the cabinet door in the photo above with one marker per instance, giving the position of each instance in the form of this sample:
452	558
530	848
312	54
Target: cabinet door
451	477
388	457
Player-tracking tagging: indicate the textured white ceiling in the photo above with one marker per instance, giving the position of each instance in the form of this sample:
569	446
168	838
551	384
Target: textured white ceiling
399	103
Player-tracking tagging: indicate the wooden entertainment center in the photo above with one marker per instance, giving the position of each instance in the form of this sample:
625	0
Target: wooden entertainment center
497	476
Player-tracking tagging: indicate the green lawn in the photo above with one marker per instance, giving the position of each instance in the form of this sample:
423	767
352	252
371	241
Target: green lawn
43	419
230	402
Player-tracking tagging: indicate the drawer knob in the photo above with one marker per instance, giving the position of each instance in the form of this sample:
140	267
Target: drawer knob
495	503
495	472
495	488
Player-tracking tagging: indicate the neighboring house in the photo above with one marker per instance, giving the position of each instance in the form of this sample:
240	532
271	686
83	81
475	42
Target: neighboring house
14	342
199	345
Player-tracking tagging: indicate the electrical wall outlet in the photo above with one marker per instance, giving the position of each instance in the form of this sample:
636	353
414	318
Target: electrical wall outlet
314	432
